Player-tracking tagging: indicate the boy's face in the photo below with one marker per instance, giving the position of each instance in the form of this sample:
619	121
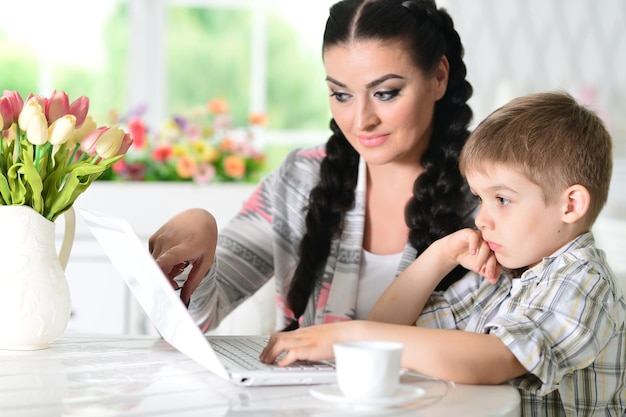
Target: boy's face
514	219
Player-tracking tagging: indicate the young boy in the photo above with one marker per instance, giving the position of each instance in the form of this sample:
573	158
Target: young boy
553	324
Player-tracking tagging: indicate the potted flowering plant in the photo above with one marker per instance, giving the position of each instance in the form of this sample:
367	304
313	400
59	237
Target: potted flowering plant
51	151
200	145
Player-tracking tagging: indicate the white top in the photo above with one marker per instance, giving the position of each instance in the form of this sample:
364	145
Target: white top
377	272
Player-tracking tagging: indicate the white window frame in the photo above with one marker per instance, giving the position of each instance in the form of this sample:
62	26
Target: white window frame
147	68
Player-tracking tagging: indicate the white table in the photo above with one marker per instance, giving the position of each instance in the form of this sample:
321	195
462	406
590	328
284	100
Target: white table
101	375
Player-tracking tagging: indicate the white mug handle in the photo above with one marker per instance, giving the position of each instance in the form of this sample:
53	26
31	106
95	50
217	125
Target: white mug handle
68	237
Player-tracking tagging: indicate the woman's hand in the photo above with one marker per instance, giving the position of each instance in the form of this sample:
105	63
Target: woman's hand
189	238
310	343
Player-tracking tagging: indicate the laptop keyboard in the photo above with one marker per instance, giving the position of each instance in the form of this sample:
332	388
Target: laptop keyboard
244	353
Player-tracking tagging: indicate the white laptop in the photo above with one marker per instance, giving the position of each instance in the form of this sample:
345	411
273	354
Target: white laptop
171	319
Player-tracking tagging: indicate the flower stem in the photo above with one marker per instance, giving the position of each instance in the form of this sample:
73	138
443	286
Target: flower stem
19	137
73	155
37	156
2	140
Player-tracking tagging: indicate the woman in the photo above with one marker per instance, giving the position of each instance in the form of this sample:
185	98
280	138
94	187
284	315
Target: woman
337	222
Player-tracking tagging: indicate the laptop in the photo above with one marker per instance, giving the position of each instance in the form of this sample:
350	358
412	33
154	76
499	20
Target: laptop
168	314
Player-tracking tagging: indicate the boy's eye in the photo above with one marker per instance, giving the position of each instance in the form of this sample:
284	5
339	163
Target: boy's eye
340	97
503	201
387	95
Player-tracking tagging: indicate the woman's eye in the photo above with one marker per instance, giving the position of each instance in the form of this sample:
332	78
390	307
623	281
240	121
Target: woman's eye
503	201
387	95
340	97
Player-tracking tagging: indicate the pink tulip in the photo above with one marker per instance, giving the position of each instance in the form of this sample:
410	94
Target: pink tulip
88	144
6	113
16	102
127	140
80	108
58	105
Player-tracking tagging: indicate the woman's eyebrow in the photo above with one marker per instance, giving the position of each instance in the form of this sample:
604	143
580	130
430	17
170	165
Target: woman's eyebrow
383	79
371	83
332	80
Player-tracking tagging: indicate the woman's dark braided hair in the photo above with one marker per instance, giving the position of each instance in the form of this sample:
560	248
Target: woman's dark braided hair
441	203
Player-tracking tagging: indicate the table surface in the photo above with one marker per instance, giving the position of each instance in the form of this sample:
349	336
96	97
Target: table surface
116	375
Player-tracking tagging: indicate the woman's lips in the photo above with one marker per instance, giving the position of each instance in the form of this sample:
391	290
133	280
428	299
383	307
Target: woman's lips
369	141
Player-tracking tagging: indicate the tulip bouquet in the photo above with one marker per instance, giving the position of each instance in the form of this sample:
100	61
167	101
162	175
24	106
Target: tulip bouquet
199	145
51	151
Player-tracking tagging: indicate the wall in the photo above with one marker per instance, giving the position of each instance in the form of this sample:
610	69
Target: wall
100	299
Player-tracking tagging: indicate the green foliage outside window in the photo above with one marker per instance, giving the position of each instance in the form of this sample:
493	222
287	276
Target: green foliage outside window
207	56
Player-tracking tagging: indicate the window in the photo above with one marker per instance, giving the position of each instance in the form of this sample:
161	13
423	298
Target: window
265	55
45	47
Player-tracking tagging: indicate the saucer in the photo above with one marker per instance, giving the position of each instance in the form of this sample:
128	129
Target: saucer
403	395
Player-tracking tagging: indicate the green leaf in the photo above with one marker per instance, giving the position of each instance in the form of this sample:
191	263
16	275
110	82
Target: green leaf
16	185
5	192
33	181
54	180
7	157
79	177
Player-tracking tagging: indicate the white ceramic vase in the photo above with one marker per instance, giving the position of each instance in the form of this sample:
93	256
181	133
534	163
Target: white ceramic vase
35	301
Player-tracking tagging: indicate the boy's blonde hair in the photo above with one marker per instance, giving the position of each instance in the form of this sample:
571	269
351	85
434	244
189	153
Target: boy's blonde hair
552	140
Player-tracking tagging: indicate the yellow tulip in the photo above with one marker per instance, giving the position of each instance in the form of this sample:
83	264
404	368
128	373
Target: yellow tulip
30	109
81	133
109	143
37	129
62	129
11	134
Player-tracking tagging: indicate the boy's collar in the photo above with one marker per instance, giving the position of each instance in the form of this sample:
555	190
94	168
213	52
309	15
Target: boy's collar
581	241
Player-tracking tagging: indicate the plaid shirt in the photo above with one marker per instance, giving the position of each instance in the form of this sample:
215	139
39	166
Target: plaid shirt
564	323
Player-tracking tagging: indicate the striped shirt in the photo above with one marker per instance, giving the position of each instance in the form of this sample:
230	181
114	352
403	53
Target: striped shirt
565	323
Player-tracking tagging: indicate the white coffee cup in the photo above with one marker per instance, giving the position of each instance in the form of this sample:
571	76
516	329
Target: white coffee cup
368	369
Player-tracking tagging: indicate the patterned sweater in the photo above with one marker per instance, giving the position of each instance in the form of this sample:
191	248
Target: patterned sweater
262	241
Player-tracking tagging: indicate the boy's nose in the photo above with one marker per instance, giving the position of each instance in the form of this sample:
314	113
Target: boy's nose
482	220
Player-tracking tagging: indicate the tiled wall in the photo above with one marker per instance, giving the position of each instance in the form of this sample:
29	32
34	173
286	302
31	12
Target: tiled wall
514	47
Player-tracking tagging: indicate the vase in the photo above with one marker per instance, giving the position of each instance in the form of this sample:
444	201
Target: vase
35	301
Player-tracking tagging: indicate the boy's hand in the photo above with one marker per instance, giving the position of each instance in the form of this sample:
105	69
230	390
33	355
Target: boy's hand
468	248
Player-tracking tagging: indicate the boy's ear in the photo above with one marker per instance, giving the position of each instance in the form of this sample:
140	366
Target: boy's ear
577	203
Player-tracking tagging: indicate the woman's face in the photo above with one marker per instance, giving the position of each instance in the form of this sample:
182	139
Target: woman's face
382	103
